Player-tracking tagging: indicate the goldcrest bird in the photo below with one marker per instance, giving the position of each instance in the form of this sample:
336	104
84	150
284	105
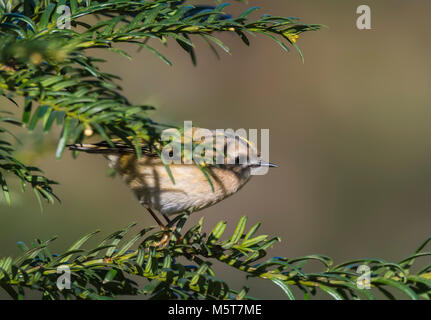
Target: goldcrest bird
190	189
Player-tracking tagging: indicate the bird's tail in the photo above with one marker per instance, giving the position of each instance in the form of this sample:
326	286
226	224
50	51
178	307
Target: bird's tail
92	148
117	147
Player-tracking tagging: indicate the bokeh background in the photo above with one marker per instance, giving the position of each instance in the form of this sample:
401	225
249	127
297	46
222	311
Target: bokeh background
349	130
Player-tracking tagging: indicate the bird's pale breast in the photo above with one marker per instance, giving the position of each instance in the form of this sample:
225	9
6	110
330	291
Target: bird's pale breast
150	181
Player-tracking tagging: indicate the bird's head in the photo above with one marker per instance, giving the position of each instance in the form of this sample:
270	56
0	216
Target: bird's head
226	148
242	153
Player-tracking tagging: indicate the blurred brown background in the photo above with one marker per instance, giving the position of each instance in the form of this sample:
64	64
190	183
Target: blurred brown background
349	129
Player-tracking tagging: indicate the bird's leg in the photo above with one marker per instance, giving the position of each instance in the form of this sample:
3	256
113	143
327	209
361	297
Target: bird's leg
161	225
166	218
166	235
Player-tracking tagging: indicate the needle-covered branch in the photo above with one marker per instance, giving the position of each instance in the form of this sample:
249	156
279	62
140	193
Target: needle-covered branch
114	268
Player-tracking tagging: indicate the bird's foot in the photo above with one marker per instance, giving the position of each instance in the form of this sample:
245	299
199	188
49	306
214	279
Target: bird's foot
166	237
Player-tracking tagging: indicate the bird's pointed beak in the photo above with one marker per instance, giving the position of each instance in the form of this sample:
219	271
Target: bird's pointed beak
267	164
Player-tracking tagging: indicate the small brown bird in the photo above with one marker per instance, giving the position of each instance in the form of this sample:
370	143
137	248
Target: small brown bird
190	189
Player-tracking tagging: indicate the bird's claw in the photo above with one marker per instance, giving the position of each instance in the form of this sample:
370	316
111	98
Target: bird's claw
166	237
